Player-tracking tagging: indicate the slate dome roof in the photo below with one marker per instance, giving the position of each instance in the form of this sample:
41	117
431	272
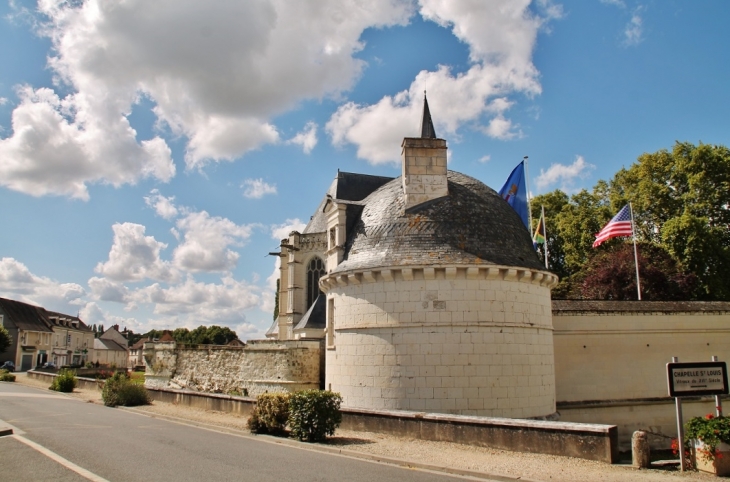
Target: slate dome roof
472	225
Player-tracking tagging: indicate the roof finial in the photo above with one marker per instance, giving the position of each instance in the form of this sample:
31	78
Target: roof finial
427	130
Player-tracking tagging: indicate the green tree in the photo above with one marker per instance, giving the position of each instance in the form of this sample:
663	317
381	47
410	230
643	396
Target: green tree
553	202
276	300
5	339
681	201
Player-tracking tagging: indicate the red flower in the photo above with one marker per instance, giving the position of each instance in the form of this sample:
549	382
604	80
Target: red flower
709	416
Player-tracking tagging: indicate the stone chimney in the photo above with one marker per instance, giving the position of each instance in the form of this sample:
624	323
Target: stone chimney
424	164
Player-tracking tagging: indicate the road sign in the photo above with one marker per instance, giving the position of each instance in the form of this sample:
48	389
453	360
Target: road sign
696	379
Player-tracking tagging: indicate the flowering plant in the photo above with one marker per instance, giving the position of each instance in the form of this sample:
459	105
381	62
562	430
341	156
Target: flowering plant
711	431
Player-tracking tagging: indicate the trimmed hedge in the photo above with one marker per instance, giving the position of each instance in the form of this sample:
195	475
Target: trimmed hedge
65	381
271	413
120	390
314	414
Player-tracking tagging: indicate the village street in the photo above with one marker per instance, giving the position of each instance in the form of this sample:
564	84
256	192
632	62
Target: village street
119	445
144	444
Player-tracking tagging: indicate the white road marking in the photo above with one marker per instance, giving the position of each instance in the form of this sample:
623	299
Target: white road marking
30	395
57	458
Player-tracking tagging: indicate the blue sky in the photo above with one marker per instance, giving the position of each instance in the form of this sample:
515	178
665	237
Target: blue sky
152	154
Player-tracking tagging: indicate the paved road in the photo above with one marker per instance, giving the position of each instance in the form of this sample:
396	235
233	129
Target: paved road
119	445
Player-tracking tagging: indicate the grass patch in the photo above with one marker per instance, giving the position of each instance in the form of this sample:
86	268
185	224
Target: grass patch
137	377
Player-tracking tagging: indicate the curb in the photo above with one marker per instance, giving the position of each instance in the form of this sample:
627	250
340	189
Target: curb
335	451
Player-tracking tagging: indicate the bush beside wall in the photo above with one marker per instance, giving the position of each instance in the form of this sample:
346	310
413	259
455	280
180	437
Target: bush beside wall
65	381
120	390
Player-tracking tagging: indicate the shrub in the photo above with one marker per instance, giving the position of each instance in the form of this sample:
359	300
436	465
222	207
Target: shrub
6	376
120	390
314	414
65	381
270	414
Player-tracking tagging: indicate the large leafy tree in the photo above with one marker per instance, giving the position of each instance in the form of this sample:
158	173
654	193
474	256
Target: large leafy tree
682	202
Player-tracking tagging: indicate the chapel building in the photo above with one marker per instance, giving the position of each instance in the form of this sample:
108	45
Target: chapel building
426	290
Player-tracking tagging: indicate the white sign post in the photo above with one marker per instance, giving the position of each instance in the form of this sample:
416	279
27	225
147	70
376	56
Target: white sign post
693	380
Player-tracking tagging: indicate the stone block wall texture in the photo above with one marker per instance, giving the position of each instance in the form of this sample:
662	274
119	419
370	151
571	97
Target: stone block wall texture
261	366
424	170
446	345
623	355
610	366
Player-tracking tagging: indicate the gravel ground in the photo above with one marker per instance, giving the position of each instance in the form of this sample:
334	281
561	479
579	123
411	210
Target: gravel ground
477	459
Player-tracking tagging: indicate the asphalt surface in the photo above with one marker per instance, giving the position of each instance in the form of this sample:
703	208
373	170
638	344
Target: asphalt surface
119	445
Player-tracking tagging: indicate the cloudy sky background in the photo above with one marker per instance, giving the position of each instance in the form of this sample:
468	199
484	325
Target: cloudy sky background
153	153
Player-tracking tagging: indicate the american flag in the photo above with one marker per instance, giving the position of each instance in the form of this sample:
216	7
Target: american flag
620	225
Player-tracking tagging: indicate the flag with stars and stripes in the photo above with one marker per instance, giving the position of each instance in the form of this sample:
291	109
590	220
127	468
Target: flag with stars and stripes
620	225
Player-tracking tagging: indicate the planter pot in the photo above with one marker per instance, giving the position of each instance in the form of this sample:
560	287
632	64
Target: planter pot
720	466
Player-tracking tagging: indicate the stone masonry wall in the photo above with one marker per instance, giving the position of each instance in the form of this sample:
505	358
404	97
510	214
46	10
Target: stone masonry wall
447	340
261	366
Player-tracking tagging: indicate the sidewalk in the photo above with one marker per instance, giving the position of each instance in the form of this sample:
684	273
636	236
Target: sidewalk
443	456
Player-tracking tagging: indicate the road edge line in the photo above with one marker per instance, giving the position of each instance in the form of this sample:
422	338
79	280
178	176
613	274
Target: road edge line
60	460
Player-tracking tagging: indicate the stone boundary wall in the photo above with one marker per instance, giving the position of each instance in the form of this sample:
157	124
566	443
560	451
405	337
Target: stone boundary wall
259	367
87	383
610	361
586	441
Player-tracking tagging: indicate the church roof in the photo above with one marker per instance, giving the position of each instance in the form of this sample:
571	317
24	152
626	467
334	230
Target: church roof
315	315
471	225
347	186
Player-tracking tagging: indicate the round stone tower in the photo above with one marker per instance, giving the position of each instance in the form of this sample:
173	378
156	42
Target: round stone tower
436	300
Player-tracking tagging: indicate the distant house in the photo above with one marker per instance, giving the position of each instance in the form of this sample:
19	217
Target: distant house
73	340
136	358
30	331
110	348
41	336
236	342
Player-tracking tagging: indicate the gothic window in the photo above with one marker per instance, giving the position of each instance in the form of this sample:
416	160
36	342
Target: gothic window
315	270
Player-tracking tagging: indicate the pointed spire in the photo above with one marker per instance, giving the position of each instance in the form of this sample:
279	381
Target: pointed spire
427	130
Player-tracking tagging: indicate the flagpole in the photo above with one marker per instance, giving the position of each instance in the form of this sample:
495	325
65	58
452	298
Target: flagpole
636	255
544	228
527	188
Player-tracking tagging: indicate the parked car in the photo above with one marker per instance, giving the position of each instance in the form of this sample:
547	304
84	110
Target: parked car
8	365
49	365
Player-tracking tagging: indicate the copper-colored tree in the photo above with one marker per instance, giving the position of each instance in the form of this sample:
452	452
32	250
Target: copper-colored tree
611	275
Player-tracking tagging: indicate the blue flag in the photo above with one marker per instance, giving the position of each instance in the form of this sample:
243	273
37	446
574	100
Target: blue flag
514	192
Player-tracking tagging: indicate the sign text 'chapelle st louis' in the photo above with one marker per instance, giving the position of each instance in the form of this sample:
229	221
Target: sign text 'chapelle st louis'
697	379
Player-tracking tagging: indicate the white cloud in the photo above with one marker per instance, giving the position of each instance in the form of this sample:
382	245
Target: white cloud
3	100
201	303
134	256
162	205
562	174
617	3
633	33
307	138
58	146
93	314
257	188
215	73
501	128
500	35
103	289
281	231
206	241
18	283
485	159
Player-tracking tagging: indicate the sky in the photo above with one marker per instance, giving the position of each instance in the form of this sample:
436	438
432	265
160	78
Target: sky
152	154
